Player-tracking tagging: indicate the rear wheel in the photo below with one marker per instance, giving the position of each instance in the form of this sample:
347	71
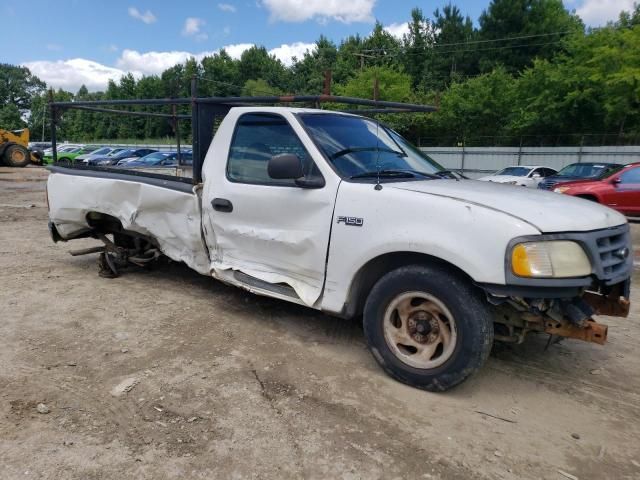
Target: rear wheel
16	156
428	328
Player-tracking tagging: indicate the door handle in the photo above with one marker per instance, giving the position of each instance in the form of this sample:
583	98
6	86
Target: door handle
222	205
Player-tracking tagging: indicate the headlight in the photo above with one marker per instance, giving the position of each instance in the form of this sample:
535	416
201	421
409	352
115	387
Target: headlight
551	259
561	189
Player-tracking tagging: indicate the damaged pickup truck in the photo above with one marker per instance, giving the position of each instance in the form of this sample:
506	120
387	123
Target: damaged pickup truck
340	213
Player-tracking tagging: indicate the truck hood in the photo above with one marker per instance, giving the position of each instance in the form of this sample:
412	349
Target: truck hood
547	211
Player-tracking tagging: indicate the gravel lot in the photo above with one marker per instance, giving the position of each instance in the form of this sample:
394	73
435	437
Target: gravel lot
169	374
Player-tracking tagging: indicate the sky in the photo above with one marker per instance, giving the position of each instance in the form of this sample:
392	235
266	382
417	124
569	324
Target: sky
68	43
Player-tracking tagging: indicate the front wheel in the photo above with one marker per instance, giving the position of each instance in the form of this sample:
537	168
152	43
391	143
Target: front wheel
427	327
16	156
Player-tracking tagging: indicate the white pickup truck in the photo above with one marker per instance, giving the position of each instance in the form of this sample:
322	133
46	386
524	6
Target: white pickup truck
340	213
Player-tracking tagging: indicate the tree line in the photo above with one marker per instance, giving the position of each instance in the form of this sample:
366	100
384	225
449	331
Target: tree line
528	70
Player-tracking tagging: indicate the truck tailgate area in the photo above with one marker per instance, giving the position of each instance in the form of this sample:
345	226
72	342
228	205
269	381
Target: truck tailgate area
166	210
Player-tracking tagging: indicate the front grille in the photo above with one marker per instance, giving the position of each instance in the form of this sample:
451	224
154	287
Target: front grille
611	248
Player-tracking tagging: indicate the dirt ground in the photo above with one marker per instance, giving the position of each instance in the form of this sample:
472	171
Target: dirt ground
225	384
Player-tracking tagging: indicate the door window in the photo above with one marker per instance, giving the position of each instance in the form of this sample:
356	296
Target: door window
630	176
258	137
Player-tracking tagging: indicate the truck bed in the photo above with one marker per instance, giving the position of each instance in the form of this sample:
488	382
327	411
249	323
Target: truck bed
162	207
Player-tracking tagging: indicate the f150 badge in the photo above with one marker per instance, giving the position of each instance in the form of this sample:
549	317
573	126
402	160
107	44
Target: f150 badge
351	221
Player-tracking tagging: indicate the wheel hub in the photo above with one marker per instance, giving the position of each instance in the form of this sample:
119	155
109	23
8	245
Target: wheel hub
423	327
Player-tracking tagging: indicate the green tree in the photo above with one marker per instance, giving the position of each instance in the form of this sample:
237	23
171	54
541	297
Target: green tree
10	118
418	48
18	86
392	85
544	23
307	74
220	76
480	107
259	87
452	59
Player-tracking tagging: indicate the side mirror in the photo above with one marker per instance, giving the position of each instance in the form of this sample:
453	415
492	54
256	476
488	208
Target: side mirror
536	176
616	181
285	166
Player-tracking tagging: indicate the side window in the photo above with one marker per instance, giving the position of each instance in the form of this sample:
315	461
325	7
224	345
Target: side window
537	171
257	138
631	176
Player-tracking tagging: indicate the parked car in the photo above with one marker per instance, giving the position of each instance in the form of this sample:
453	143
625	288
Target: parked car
343	215
66	153
618	189
39	145
522	175
578	171
107	160
157	159
97	152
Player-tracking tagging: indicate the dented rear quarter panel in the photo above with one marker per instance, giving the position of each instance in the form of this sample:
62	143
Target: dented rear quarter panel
171	217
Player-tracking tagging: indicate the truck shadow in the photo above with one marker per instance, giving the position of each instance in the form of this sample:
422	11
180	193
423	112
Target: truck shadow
566	364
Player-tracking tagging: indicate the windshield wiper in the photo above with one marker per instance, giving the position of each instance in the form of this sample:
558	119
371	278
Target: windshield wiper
449	174
366	149
393	173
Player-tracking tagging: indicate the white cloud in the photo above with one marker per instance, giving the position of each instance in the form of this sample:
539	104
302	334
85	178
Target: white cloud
71	74
154	63
285	53
193	28
146	17
227	7
398	30
596	13
150	63
235	51
345	11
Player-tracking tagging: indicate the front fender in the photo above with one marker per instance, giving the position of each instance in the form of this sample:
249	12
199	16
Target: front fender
473	238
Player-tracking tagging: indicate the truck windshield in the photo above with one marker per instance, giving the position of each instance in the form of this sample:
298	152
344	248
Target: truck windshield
358	146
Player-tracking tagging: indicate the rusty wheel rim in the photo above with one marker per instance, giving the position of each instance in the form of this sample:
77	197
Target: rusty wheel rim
18	155
420	330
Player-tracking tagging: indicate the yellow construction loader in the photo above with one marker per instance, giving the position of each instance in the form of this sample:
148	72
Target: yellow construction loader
14	149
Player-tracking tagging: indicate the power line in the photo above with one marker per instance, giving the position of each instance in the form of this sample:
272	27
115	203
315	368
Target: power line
521	37
430	51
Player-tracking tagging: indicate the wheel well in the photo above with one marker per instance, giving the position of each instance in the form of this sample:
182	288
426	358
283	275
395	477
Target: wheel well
375	268
103	223
108	224
592	198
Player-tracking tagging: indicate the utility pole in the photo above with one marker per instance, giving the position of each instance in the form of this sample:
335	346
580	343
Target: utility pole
44	117
362	57
326	87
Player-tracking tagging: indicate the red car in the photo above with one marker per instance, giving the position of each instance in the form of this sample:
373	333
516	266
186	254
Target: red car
619	189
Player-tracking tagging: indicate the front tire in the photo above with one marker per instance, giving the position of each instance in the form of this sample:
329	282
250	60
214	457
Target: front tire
428	328
16	156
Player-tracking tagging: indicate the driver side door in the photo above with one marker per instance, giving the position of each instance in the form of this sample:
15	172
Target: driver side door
269	234
627	191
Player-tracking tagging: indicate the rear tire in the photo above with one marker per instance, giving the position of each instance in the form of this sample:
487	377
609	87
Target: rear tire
428	328
16	156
